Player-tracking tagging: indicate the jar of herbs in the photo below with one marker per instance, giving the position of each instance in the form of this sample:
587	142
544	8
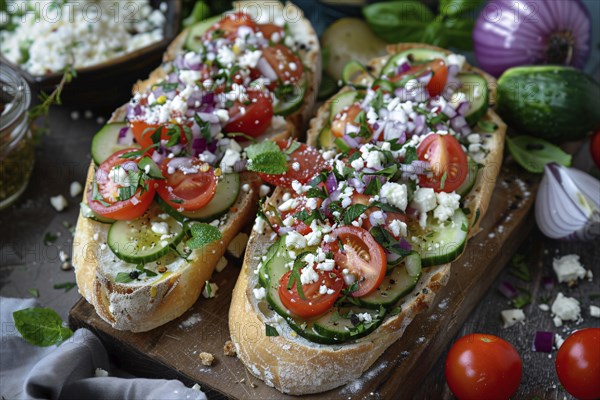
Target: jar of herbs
16	141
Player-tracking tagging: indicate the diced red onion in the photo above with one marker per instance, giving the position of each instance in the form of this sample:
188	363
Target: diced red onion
266	70
508	290
404	244
331	183
240	165
350	141
463	108
457	123
548	282
543	342
449	110
212	118
509	34
129	166
392	257
157	157
404	67
357	184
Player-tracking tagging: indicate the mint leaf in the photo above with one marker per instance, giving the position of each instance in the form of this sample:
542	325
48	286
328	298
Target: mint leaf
41	326
353	212
123	277
65	285
203	234
269	163
533	153
267	146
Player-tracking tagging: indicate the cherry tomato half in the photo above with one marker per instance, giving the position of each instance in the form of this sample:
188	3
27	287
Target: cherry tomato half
229	25
285	63
252	117
268	30
345	122
142	132
314	303
190	183
109	190
448	162
303	164
361	255
438	80
480	366
578	364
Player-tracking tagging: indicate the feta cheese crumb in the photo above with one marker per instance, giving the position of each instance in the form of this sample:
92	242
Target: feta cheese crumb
568	268
221	264
395	194
566	308
259	293
365	317
308	275
210	290
511	317
544	307
594	311
264	190
75	189
448	204
59	202
160	228
558	340
100	373
295	240
398	228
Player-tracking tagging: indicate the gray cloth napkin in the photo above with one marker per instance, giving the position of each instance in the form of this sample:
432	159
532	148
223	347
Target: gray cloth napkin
68	371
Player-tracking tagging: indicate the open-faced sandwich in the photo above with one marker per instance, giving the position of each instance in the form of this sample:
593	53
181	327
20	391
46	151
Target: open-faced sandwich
358	237
168	187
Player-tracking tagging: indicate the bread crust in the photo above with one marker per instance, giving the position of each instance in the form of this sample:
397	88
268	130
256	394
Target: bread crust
144	307
295	366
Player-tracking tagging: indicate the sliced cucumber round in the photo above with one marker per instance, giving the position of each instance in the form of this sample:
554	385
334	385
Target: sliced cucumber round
226	195
418	55
145	239
443	242
475	89
342	323
353	70
193	41
325	140
293	101
87	212
106	142
396	285
341	101
467	185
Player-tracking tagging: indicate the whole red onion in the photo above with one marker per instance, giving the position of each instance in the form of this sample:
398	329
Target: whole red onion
510	33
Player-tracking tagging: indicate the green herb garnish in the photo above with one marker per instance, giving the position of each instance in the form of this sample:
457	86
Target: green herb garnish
41	326
203	234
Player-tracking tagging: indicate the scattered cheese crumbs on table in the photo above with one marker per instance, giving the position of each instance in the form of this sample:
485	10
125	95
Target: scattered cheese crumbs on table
75	189
221	265
238	245
196	387
568	268
59	202
206	359
210	290
229	349
63	256
558	340
100	373
511	317
595	311
544	307
66	266
565	309
74	115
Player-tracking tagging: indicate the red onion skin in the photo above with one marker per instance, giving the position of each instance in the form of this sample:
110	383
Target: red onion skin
506	35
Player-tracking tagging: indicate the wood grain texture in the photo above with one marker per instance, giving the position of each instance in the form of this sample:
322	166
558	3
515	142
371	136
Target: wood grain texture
172	350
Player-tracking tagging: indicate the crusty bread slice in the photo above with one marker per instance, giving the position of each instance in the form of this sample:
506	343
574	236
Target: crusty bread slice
309	53
296	366
141	307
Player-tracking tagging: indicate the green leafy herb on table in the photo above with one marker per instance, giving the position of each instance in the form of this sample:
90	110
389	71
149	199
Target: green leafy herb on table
203	234
34	292
533	153
41	326
65	285
412	21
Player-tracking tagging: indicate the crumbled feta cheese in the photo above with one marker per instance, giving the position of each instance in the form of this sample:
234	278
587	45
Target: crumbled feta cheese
100	373
259	226
511	317
288	205
365	317
59	202
544	307
229	160
295	240
558	340
225	55
160	228
326	265
566	308
250	59
594	311
395	194
374	159
377	218
221	265
448	204
75	189
313	238
62	256
259	293
424	200
264	190
398	228
308	275
568	268
210	290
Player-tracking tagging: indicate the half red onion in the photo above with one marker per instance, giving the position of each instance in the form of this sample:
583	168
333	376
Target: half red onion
510	33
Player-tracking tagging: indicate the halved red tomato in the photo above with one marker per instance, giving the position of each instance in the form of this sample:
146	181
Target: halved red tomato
190	183
268	30
285	63
143	133
298	226
105	201
229	25
346	120
438	80
252	117
359	198
314	302
303	164
448	162
361	255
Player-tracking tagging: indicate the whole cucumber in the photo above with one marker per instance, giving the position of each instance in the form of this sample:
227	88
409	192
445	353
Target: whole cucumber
552	102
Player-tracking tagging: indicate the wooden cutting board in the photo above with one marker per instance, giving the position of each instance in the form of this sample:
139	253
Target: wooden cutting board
172	350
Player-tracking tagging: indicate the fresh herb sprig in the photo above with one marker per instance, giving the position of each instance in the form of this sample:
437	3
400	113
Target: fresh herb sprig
54	98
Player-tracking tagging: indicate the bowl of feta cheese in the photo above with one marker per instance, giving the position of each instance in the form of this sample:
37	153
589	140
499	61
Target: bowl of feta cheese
110	44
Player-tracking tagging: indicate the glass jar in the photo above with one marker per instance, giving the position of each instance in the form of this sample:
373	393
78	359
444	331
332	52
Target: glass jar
16	141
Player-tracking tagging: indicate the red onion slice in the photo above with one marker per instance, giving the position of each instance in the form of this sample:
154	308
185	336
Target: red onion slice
543	342
331	183
266	70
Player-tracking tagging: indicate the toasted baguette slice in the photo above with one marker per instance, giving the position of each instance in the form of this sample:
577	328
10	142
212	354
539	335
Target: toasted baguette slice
296	366
309	53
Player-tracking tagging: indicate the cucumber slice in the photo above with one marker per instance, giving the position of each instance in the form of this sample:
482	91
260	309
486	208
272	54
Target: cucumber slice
441	243
352	70
293	101
475	88
277	250
105	142
418	55
325	140
396	285
467	185
338	323
193	41
135	241
341	101
87	212
226	195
